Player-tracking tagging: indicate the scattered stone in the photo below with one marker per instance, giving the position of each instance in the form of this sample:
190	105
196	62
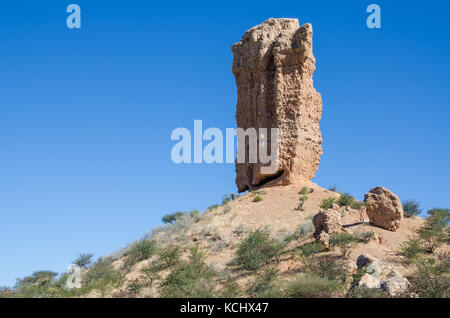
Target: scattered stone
273	66
384	208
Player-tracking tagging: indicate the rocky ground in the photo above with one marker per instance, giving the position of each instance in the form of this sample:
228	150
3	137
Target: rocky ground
220	231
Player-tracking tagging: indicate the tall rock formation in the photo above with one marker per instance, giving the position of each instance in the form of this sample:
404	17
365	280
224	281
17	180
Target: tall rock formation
273	66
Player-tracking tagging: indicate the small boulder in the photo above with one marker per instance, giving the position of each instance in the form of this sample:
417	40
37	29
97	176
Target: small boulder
364	259
369	281
395	283
328	221
384	208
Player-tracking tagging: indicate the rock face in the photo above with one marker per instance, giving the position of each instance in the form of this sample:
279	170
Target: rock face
273	66
326	222
384	208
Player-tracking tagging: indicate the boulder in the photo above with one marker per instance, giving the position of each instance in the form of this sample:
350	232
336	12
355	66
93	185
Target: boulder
365	259
395	283
369	281
273	65
384	208
328	221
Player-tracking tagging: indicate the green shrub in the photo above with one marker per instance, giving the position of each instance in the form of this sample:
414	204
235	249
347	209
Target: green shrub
226	199
256	250
334	188
170	218
266	284
310	249
231	289
302	202
343	241
212	207
312	286
357	205
84	260
366	292
304	191
101	276
435	231
328	267
139	251
134	287
194	213
40	284
366	237
257	198
192	279
427	283
345	200
411	207
169	256
410	250
327	203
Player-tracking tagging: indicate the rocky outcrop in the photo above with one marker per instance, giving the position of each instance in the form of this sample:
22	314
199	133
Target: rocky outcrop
326	222
380	275
384	208
273	66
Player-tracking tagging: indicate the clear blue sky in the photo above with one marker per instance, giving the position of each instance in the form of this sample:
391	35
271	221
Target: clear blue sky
86	115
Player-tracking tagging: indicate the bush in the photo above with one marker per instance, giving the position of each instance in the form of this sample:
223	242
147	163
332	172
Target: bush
435	231
226	199
169	256
427	283
140	251
327	267
257	198
194	213
212	207
301	202
327	203
83	260
304	191
256	250
230	289
334	188
366	237
357	205
344	241
191	279
410	250
170	218
266	284
310	249
345	200
411	207
101	276
312	286
366	292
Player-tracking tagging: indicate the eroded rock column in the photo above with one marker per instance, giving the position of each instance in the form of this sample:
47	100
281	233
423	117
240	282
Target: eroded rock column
273	66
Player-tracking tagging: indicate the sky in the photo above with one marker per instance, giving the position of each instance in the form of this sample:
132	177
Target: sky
86	114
